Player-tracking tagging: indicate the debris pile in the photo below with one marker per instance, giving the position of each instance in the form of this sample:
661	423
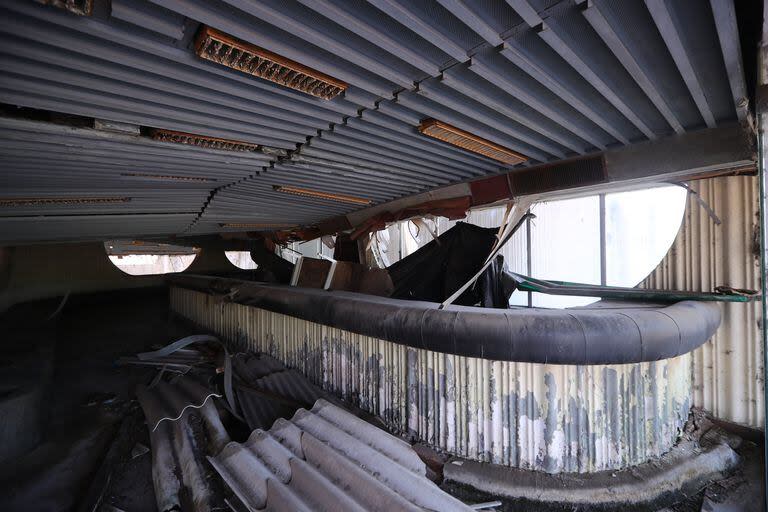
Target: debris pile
244	432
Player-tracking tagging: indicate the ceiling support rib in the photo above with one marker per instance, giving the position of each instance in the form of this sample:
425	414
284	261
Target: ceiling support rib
549	35
430	90
600	24
405	16
376	36
728	34
547	80
467	15
671	35
482	69
458	84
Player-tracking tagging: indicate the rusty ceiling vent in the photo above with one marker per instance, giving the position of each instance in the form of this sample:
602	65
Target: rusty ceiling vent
166	177
58	201
457	137
233	53
340	198
203	141
576	173
79	7
256	225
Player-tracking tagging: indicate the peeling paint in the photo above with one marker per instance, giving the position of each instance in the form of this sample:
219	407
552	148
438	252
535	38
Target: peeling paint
552	418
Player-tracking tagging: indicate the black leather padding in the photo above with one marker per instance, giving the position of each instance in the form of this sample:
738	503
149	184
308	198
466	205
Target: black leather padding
604	333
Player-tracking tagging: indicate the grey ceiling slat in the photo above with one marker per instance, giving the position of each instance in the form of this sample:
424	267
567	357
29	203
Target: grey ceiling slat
728	35
589	76
486	70
468	15
22	129
419	25
58	41
434	110
327	142
148	16
114	153
434	178
669	32
82	103
342	173
358	140
234	24
436	92
344	165
308	171
373	34
406	145
394	128
547	80
548	31
481	93
139	99
612	40
163	84
289	17
355	184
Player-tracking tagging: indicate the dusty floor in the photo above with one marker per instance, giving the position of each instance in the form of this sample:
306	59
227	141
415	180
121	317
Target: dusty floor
95	433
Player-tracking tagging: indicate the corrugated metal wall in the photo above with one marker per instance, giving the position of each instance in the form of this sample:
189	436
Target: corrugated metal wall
552	418
728	369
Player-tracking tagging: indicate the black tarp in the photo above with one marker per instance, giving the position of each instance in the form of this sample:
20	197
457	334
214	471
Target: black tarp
439	268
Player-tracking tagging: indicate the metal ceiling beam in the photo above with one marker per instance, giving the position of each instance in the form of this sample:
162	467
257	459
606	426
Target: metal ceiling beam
548	34
485	69
90	104
728	35
600	24
433	90
468	16
357	25
121	45
407	17
453	79
70	135
328	60
671	35
429	108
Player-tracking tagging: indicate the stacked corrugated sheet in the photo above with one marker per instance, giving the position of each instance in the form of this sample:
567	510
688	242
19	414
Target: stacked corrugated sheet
267	390
184	426
328	459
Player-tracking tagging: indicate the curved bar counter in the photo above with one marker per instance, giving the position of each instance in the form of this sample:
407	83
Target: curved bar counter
575	390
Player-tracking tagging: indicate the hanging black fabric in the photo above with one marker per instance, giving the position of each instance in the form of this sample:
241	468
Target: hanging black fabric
439	268
495	285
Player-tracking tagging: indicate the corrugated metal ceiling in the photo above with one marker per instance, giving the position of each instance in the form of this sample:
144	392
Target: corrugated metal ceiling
549	80
327	459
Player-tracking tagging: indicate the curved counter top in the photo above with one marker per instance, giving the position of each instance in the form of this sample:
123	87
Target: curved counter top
604	333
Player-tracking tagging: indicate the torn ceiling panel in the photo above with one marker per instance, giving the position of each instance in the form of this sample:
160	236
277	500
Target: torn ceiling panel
546	81
327	459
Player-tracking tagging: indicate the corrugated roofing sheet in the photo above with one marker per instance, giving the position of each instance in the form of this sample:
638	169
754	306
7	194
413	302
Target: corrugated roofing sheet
327	459
550	80
728	370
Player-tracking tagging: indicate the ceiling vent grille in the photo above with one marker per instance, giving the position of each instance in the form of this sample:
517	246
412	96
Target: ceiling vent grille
203	141
233	53
57	201
339	198
577	173
79	7
465	140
